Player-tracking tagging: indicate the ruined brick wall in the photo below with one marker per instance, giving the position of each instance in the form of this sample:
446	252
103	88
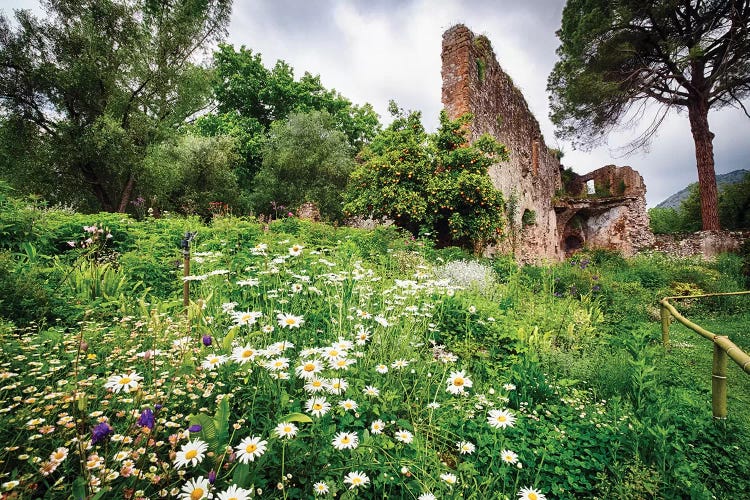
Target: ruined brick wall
474	82
614	217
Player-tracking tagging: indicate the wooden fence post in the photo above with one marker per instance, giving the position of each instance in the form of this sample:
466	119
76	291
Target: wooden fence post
665	317
186	269
719	383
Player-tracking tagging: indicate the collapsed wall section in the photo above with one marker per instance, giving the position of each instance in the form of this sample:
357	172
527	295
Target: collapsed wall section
547	221
474	82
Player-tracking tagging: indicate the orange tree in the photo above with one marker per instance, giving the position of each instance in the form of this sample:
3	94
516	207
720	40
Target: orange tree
430	184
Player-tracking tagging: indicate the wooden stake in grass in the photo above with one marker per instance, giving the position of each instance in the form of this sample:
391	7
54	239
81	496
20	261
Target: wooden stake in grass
186	268
665	317
719	382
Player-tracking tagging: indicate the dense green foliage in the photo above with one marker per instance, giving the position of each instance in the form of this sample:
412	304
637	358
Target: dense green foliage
430	184
617	55
734	210
305	159
88	88
435	340
250	97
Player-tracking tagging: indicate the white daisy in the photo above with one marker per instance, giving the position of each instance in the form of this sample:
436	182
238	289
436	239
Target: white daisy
449	478
321	488
234	492
356	479
195	489
250	448
246	318
289	320
404	436
124	382
277	364
286	430
458	382
191	453
531	494
371	391
348	405
377	427
509	457
500	419
308	369
466	447
244	354
213	361
316	385
317	407
337	386
345	441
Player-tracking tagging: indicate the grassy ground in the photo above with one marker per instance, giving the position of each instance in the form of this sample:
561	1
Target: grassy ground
689	362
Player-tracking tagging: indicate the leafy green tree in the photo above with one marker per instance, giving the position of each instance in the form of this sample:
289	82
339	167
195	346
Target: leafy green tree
250	97
305	159
97	82
618	55
189	172
734	210
436	184
734	205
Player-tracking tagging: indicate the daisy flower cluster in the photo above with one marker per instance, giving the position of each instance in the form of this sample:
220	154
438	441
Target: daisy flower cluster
296	373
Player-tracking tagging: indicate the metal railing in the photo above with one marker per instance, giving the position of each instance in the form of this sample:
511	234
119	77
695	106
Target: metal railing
723	348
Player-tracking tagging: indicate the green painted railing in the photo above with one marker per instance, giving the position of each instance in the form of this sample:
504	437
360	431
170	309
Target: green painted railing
723	348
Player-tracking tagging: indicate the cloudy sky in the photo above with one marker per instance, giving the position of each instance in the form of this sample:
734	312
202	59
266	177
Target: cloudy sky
377	50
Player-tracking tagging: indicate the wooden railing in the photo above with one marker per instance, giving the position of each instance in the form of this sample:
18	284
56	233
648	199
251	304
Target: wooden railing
723	348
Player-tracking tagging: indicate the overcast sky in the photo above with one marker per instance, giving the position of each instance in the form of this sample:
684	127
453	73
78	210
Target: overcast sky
376	50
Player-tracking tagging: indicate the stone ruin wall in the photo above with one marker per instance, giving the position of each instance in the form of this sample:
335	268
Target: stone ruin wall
474	82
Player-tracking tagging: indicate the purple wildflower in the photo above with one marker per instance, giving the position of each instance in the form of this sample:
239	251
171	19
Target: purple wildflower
147	418
206	340
195	428
212	477
100	432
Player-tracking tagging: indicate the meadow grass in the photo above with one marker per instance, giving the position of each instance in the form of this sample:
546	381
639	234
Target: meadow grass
328	362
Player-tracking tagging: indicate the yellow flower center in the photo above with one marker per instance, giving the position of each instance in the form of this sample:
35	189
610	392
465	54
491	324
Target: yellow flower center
247	353
356	480
125	380
345	439
317	406
197	494
287	429
458	381
309	367
333	353
532	496
290	321
251	448
191	455
501	418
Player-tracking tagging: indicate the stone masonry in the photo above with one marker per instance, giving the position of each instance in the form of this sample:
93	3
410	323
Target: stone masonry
547	222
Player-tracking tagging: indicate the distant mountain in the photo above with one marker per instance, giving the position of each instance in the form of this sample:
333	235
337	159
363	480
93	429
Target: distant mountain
676	199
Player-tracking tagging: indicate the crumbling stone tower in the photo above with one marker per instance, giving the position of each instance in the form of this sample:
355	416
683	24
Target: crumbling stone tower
536	206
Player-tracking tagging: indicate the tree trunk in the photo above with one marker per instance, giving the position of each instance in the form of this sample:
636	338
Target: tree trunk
704	156
126	193
89	174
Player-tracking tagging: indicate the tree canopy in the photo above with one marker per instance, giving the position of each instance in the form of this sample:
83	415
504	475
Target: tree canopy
430	183
305	159
618	55
89	87
250	97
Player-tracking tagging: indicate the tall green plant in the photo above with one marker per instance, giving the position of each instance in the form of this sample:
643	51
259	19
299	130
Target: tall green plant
432	184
